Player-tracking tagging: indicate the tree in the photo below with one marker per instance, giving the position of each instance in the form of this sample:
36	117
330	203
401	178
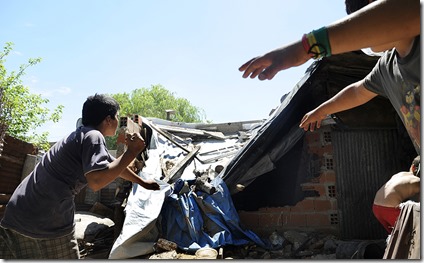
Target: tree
20	111
154	102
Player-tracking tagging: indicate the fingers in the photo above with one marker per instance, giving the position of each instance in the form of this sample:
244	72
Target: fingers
156	186
268	73
245	65
151	185
303	123
256	73
134	142
308	123
253	67
318	124
133	136
260	67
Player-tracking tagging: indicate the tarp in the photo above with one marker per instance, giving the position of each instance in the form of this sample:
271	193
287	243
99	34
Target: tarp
192	219
197	219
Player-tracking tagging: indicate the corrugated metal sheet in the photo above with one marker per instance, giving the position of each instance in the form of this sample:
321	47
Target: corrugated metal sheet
364	160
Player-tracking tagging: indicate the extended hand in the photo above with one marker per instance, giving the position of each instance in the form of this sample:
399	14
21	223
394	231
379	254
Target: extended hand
311	120
268	65
150	185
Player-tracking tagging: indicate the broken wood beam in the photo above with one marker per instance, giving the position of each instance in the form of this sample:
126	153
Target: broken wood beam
169	137
178	169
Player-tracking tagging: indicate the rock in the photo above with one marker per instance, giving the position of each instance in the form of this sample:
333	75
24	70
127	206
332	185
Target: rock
295	237
304	253
319	244
266	255
165	255
330	246
276	240
322	256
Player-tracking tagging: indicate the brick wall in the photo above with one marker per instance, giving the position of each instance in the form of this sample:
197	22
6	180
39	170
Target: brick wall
12	161
317	213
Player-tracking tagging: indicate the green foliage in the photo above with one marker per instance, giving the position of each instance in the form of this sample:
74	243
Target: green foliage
154	102
20	111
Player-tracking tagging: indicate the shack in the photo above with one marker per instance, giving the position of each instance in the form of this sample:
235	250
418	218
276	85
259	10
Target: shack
324	179
272	176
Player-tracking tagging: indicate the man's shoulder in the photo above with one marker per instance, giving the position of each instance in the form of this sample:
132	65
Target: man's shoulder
93	136
403	175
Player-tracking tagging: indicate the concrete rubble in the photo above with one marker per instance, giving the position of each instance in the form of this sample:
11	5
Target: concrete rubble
292	245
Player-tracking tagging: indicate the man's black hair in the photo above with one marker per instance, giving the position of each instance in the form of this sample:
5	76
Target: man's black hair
355	5
96	108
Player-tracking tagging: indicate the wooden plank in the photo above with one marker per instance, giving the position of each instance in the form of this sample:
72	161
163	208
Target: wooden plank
178	169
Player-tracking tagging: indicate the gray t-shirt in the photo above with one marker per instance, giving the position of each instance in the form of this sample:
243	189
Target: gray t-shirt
42	206
399	80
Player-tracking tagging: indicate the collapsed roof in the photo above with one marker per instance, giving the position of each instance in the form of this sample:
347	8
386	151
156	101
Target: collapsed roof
280	132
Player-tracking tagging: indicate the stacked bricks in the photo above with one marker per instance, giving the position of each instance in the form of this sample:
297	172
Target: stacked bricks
318	213
130	126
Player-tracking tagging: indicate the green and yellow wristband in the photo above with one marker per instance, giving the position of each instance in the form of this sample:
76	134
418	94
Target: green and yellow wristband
316	43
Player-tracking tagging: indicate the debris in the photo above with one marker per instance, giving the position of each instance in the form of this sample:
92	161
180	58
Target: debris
165	245
220	253
165	255
206	253
177	170
240	187
203	185
330	246
276	240
266	255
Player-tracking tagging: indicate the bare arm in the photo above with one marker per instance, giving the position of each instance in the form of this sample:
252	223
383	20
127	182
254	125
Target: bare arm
350	97
129	175
99	179
379	23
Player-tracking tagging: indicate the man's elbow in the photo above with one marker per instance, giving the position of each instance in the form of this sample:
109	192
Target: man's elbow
93	182
94	186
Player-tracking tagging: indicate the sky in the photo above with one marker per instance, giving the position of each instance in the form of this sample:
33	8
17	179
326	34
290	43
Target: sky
193	48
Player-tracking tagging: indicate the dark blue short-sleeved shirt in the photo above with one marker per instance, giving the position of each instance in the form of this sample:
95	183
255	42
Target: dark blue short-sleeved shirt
42	206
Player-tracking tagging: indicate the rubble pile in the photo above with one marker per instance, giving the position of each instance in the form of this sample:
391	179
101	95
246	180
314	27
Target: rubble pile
291	245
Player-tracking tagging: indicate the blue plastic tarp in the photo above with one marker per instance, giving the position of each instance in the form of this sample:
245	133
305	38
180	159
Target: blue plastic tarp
196	219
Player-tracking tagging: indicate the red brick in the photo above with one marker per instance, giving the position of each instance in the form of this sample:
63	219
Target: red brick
286	209
321	151
298	219
327	148
305	205
318	219
333	204
126	124
322	205
269	219
312	137
272	209
307	187
284	219
327	177
315	180
137	119
321	189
